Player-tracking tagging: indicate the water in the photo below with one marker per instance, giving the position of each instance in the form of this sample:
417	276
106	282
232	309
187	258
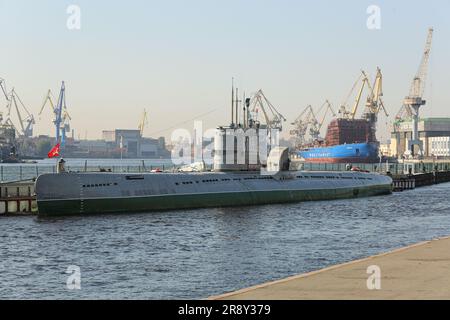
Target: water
199	253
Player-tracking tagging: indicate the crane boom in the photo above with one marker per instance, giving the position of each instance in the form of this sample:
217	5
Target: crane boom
143	122
418	85
61	105
26	123
328	108
3	86
48	98
415	99
273	118
358	97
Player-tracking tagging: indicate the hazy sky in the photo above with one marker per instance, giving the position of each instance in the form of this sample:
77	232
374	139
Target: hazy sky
177	58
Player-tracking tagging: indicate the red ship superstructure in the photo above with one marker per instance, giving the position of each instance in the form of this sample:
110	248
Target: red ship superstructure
348	131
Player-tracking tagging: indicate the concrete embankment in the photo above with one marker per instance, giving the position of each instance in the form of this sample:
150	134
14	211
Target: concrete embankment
420	271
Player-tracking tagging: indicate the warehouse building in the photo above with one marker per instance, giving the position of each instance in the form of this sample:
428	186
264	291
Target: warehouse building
433	132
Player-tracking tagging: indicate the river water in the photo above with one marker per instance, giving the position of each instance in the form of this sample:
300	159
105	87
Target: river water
199	253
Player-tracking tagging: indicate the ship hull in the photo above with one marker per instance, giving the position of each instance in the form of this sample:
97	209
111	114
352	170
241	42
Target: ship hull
346	153
54	198
163	203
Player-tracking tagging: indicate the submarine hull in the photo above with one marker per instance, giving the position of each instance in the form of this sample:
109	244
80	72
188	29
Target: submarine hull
85	193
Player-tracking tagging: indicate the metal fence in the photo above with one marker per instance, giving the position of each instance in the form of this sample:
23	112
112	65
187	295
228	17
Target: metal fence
393	168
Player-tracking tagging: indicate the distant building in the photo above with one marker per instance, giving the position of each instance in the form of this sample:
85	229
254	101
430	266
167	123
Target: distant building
429	128
109	136
153	148
130	140
440	146
385	149
93	146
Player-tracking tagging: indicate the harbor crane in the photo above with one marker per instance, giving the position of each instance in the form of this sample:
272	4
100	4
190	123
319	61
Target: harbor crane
3	87
143	123
344	110
414	100
306	118
316	125
5	93
272	118
329	108
61	115
374	102
309	119
25	122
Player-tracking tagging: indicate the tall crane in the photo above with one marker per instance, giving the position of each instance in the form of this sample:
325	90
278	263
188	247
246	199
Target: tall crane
415	98
25	122
61	119
344	110
61	115
304	120
3	87
5	93
143	122
272	118
48	100
316	125
374	102
364	82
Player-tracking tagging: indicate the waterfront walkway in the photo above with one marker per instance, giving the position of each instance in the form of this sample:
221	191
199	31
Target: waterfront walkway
420	271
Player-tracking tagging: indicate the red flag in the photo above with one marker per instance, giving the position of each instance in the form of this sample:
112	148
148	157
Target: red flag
54	152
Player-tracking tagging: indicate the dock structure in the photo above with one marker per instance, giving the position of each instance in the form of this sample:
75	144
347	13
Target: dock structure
409	182
17	198
420	271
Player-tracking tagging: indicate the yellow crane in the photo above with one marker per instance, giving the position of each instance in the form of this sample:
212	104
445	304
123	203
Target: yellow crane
26	123
365	81
374	102
144	122
49	99
344	110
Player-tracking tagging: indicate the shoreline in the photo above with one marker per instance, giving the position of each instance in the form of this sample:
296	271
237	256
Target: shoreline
417	271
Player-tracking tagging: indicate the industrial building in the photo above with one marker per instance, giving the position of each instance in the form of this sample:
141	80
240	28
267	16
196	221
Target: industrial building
433	133
440	146
132	145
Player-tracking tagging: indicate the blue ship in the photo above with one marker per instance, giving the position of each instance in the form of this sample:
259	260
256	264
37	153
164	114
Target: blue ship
345	153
